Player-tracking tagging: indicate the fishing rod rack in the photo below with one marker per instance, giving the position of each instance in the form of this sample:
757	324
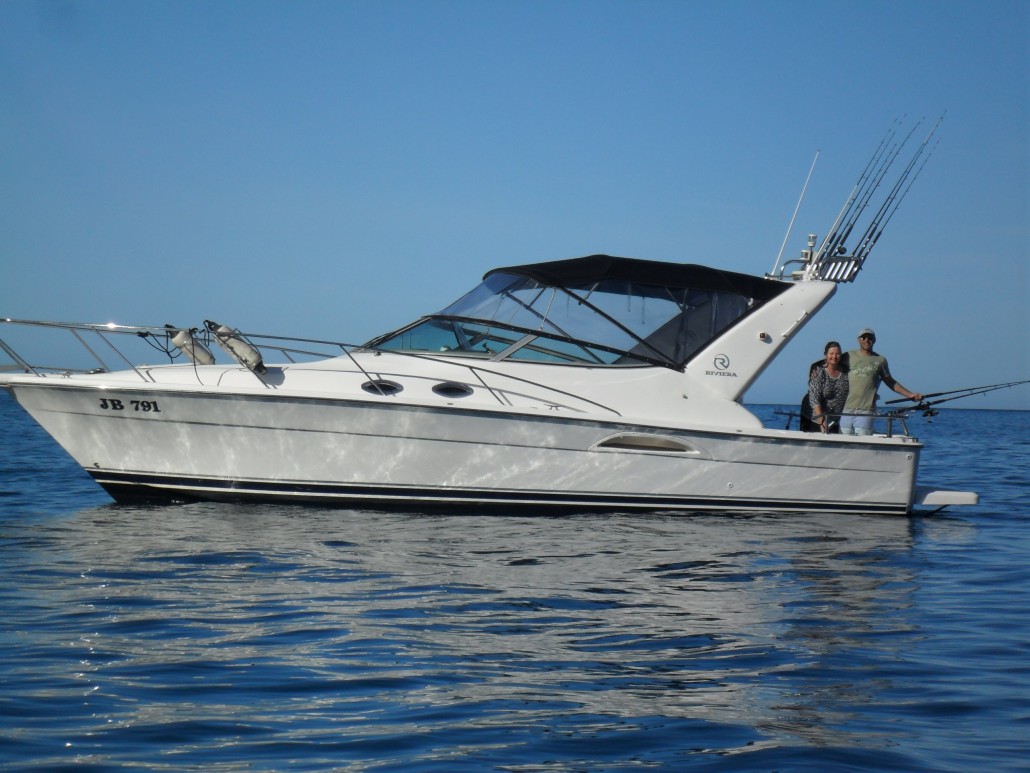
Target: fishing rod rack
833	260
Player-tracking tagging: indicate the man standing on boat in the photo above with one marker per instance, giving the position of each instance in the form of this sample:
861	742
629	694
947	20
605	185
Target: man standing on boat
866	369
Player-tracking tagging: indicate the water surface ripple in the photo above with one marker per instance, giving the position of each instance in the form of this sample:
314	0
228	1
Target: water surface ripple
278	638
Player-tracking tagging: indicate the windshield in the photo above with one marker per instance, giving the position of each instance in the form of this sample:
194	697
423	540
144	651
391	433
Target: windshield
605	322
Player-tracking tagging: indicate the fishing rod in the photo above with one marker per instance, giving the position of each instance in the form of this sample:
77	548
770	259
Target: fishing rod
832	261
831	242
888	162
876	237
893	200
978	390
926	406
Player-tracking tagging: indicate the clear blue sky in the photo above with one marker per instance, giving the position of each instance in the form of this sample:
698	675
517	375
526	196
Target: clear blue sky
337	169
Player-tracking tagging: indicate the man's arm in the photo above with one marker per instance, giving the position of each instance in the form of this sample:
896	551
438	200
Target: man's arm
897	386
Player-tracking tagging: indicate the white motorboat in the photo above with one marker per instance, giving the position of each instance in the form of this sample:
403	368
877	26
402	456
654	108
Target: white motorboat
595	382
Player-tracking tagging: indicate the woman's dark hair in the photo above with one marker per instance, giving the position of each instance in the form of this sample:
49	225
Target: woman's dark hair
830	345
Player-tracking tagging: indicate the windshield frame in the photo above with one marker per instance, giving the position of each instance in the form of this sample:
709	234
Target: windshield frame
690	306
525	340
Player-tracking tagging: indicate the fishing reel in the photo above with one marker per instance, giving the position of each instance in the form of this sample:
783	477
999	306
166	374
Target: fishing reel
926	409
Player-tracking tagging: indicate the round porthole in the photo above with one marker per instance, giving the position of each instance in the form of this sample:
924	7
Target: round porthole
382	387
452	389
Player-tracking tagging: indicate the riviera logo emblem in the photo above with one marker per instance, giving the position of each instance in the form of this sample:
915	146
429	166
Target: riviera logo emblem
722	364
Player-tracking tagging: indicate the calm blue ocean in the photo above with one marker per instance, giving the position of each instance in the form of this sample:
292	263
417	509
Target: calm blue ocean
283	638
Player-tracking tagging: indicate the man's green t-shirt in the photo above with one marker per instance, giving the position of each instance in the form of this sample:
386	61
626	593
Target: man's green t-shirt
864	376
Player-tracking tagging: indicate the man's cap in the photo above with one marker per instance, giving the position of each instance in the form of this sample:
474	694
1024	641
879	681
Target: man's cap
866	331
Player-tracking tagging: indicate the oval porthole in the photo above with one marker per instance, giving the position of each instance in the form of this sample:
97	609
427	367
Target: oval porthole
452	389
382	387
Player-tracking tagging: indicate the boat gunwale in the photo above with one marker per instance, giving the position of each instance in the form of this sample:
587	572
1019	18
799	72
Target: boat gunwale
392	402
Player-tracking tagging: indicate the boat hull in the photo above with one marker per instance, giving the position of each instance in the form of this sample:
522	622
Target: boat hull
165	444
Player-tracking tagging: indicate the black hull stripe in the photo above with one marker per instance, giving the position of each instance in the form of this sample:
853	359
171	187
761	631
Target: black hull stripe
131	486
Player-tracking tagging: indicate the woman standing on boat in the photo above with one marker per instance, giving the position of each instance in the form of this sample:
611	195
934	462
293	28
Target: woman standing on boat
828	390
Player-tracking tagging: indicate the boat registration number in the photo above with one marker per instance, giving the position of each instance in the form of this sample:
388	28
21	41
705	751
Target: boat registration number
146	406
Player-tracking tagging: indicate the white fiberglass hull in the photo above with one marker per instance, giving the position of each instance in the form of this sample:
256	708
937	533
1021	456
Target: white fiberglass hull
164	443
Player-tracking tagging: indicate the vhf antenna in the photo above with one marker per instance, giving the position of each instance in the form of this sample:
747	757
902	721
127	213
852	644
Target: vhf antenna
794	216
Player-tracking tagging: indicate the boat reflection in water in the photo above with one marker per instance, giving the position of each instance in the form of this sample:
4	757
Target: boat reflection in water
725	633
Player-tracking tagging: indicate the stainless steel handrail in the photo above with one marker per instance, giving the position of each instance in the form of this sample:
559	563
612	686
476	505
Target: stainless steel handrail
476	372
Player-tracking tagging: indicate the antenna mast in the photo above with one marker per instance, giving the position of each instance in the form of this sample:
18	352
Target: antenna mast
794	216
